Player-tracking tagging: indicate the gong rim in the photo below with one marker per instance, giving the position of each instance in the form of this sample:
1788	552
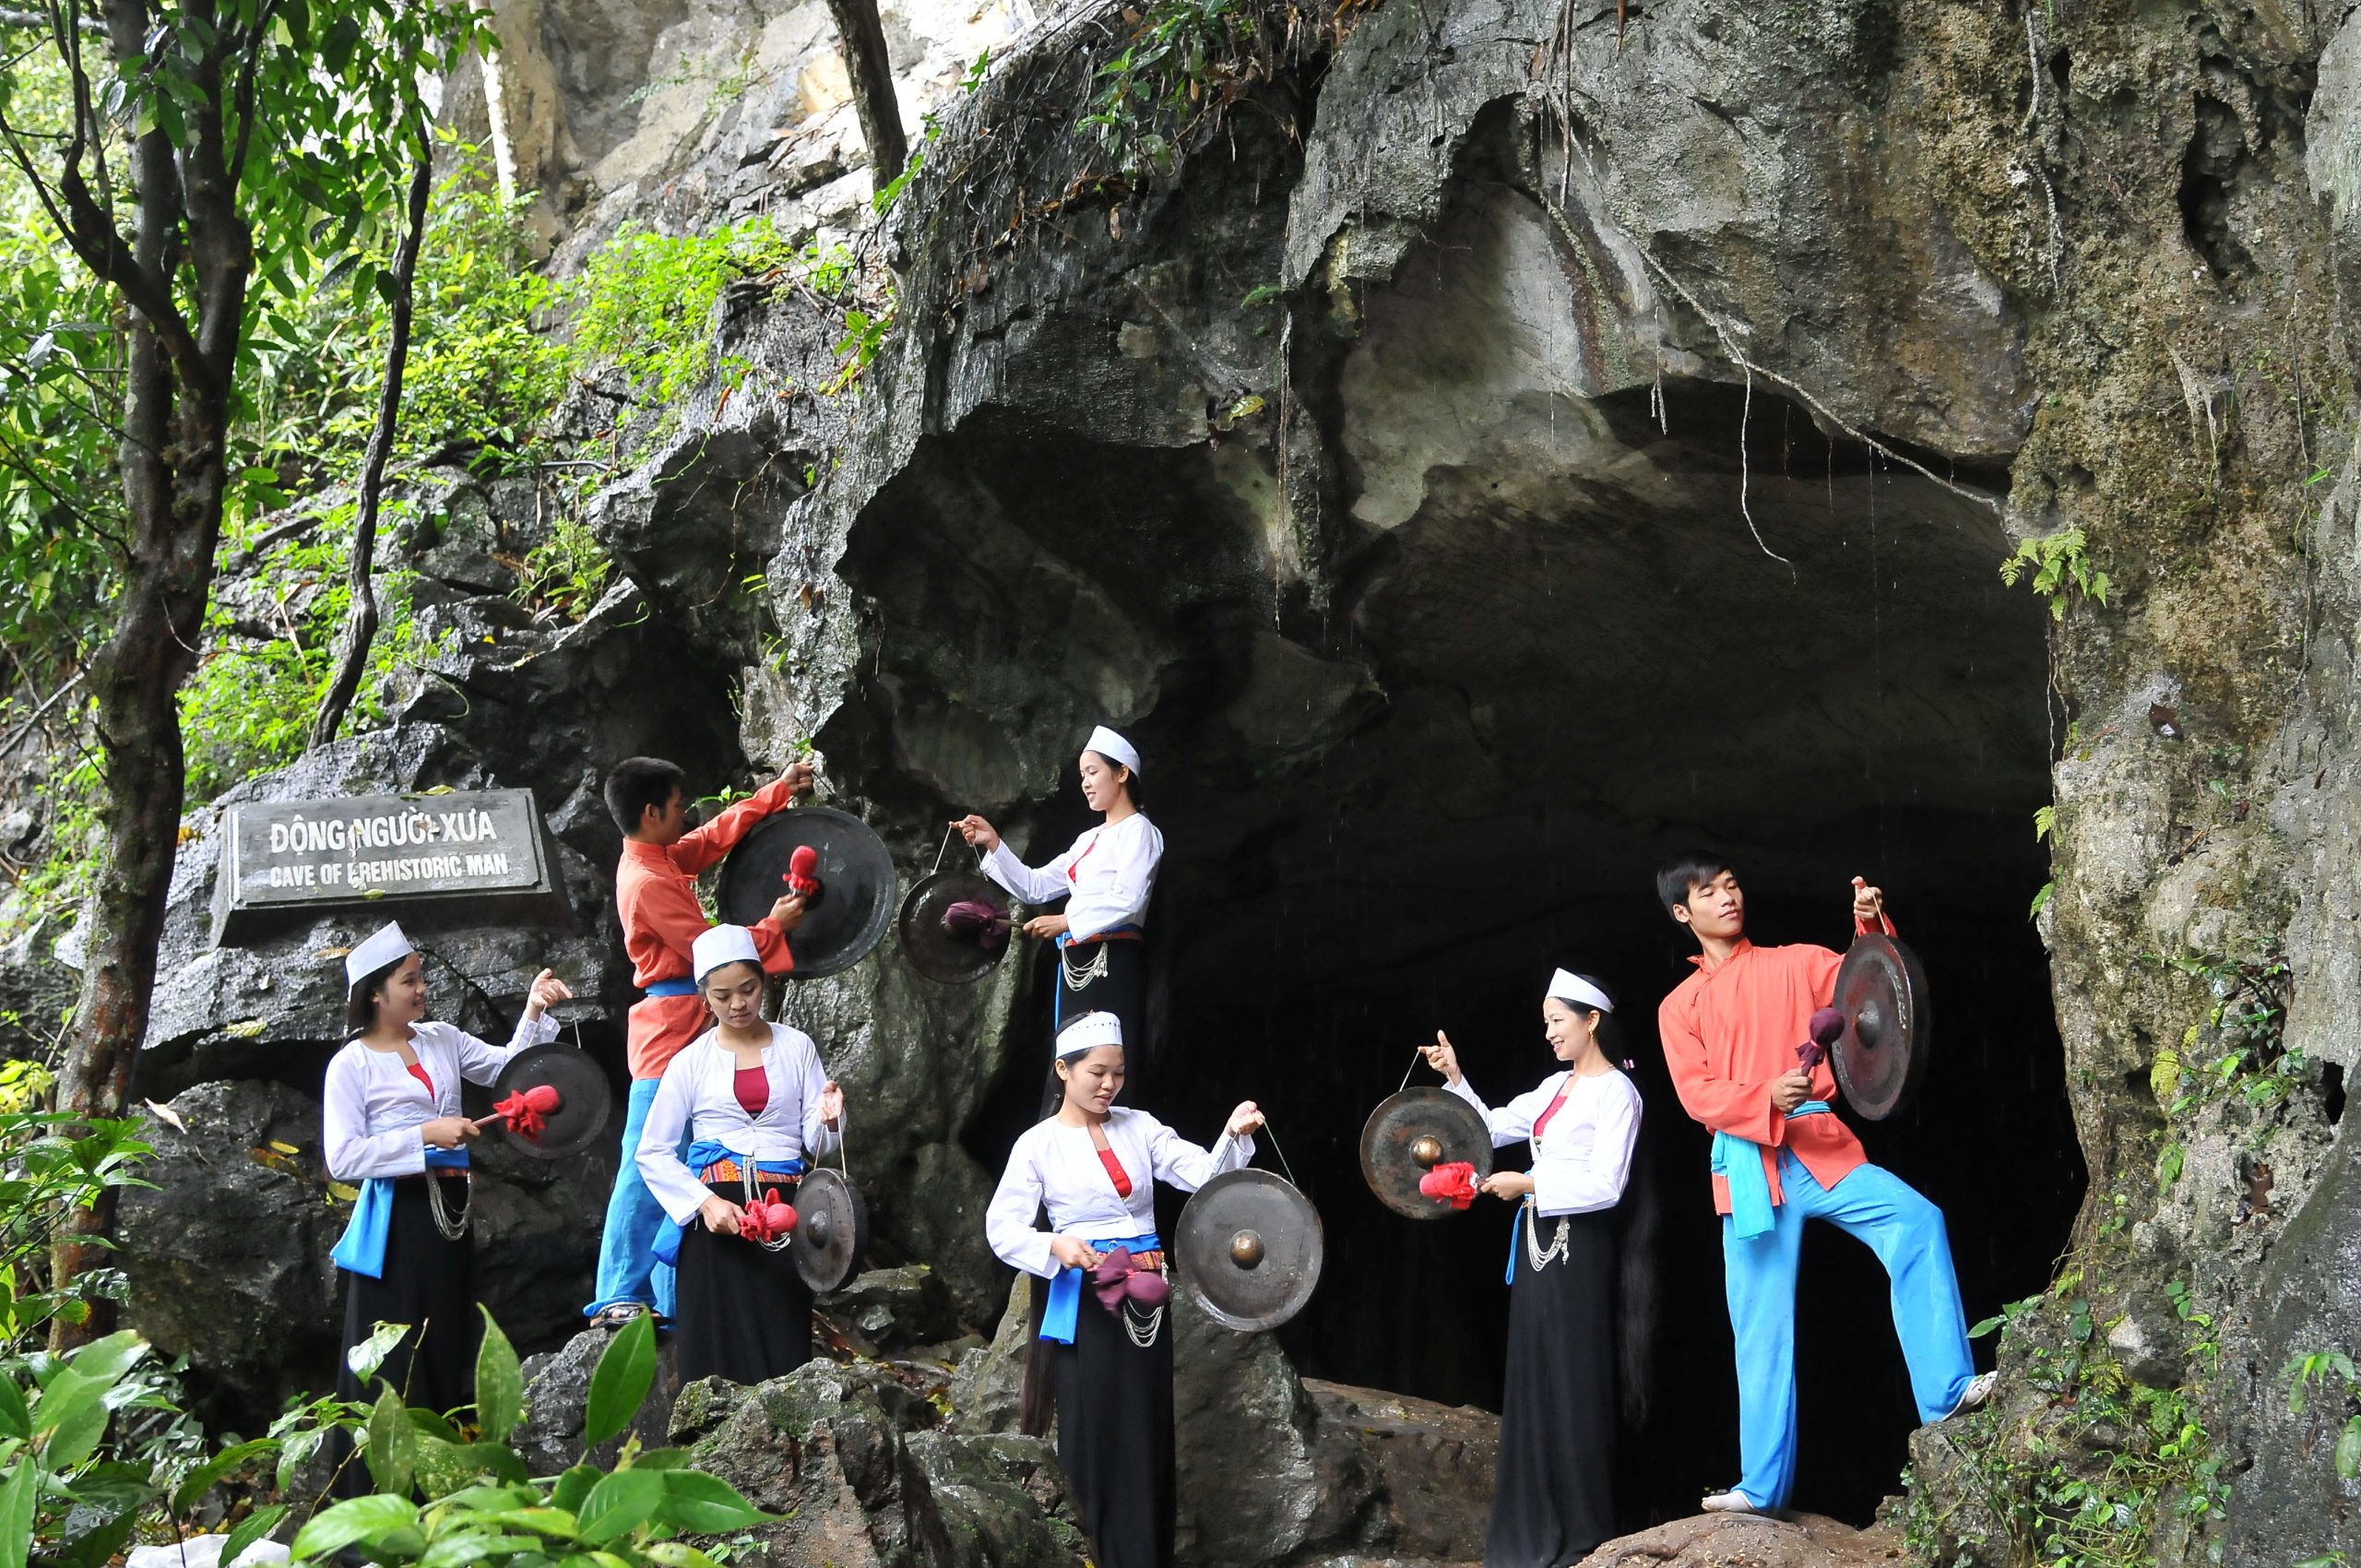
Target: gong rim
829	1198
585	1100
935	953
1203	1236
1448	1118
1882	990
857	878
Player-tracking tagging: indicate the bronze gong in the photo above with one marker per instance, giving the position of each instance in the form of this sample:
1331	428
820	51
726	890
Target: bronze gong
1249	1247
584	1099
1880	1059
1412	1133
831	1231
857	882
938	950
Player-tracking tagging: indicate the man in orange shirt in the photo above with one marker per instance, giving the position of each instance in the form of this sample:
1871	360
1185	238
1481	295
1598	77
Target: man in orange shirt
656	899
1730	1035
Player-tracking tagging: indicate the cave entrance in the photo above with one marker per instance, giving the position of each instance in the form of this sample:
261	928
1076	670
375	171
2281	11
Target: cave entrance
1565	682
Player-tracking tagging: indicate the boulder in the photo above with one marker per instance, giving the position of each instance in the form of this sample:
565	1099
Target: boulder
228	1261
895	1309
866	1477
557	1391
1717	1541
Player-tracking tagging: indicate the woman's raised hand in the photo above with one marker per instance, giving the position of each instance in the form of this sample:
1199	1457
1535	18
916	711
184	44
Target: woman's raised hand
1046	926
1442	1057
832	1106
978	832
1246	1119
546	992
1074	1253
446	1132
720	1216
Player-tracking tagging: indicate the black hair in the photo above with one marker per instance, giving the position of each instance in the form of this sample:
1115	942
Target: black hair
1037	1397
1131	780
360	1001
1681	875
638	782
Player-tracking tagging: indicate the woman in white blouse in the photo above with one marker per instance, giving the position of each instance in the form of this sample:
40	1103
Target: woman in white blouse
391	1122
1094	1166
755	1104
1105	879
1553	1495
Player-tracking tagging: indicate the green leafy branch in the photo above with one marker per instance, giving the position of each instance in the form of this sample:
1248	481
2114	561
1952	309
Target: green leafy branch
2061	567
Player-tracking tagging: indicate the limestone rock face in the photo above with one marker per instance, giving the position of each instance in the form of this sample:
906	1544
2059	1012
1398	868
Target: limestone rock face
228	1258
866	1477
1802	1540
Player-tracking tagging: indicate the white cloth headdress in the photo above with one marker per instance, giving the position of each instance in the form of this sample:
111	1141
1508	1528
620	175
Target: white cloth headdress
722	944
385	945
1090	1029
1108	744
1568	987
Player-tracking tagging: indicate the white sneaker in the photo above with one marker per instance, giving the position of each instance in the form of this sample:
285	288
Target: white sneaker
1730	1501
1979	1391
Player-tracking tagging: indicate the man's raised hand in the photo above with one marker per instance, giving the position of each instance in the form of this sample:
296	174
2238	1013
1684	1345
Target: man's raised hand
1868	903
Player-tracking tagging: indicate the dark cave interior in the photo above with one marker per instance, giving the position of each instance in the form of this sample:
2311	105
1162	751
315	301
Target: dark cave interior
1571	678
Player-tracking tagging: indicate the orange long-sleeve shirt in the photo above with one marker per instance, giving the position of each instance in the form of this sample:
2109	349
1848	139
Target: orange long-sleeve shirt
1728	1031
656	895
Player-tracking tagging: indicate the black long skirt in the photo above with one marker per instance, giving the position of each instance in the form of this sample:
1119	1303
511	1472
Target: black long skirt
1553	1493
1122	991
1115	1436
429	1283
742	1310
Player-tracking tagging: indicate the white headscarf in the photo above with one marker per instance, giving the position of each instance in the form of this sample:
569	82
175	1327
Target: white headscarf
1108	744
385	945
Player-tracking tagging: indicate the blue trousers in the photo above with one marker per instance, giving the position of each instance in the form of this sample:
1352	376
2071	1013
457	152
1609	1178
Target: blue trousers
1875	1206
627	1267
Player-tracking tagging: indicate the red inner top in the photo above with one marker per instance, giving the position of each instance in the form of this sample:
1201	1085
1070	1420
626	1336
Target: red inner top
752	1088
1543	1120
1115	1168
418	1070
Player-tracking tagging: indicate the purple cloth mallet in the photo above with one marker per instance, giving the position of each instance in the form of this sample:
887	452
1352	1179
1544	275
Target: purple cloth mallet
977	918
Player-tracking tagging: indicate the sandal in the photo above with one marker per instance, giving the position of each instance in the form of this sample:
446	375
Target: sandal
617	1315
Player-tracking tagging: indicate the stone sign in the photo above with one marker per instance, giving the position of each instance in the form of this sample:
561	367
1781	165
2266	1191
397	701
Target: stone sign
460	847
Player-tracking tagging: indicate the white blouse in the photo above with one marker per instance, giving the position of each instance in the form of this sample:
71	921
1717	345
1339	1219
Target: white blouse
1582	1161
1110	872
698	1097
371	1106
1057	1165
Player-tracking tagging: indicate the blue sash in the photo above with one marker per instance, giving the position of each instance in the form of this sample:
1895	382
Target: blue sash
1065	1288
1739	1162
669	988
362	1247
704	1153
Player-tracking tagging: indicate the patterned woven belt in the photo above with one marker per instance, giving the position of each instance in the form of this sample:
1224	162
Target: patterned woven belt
731	1171
1148	1263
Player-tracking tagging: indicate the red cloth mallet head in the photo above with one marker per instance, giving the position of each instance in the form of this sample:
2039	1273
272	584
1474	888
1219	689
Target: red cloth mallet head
767	1220
800	867
1827	1025
1116	1277
1452	1182
527	1111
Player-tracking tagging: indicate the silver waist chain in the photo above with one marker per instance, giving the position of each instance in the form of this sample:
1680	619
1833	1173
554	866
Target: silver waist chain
1094	971
452	1228
1535	1253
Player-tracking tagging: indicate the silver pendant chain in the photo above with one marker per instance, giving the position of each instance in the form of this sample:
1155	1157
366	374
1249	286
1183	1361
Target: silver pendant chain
453	1229
1533	1252
1143	1330
1094	971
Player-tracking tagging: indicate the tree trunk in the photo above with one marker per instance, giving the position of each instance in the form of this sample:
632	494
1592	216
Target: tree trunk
872	75
174	464
361	620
